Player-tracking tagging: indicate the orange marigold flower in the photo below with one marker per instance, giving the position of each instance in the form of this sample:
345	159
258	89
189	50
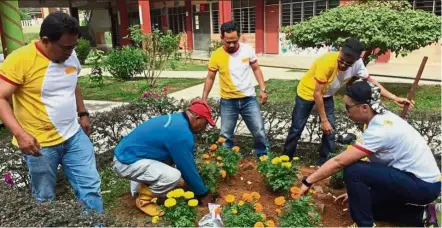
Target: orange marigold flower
258	207
259	224
220	164
206	156
221	140
247	197
280	201
230	198
278	211
206	162
295	190
295	195
223	173
256	195
212	155
270	223
219	158
213	147
235	149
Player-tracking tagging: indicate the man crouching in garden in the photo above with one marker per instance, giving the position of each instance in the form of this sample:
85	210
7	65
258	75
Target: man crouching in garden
142	155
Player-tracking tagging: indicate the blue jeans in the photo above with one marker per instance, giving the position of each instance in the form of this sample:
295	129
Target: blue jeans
300	115
249	109
76	155
379	192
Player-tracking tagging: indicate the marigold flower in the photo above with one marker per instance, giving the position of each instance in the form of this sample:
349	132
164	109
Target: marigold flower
206	156
256	195
241	202
170	202
179	192
189	195
276	161
234	211
212	155
287	164
193	203
278	211
155	219
221	140
263	158
219	158
170	194
230	198
213	147
295	190
258	207
259	224
295	159
270	223
235	149
247	197
264	216
223	173
280	201
284	158
220	164
206	162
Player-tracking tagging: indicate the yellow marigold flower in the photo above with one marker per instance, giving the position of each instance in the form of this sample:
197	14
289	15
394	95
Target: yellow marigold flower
258	207
221	140
312	191
247	197
189	195
206	156
193	203
213	147
259	224
270	223
256	195
170	202
155	219
284	158
263	158
278	211
287	164
230	198
234	211
170	194
240	203
295	159
206	162
235	149
280	201
264	217
220	164
223	173
219	158
276	161
179	192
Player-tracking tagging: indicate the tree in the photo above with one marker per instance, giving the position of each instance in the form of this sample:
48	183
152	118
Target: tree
380	26
25	14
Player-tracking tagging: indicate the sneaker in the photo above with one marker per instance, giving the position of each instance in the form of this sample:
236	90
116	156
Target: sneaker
430	216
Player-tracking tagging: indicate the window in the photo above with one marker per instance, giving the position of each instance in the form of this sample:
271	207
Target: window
244	14
215	18
432	6
155	15
294	11
177	19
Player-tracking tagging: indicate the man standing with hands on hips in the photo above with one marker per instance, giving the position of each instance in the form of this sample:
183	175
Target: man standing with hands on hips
233	61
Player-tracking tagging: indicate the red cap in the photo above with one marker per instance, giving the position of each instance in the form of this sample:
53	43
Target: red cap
201	108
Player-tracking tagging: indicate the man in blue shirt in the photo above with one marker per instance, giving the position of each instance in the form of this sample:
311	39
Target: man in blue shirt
142	156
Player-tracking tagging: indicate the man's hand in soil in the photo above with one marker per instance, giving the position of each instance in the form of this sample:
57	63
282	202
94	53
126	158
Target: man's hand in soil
304	190
28	144
344	198
206	199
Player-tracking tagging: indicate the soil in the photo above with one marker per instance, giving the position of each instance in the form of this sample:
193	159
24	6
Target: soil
249	180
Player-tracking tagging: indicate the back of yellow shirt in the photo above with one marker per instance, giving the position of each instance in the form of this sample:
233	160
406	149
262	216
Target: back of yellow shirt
323	71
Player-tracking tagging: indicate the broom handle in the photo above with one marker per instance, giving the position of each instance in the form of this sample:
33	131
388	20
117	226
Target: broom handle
414	87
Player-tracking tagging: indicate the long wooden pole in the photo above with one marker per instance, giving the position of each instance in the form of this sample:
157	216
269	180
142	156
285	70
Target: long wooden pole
414	87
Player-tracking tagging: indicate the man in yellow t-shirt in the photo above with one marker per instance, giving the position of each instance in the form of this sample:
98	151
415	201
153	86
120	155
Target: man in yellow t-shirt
317	87
235	62
42	78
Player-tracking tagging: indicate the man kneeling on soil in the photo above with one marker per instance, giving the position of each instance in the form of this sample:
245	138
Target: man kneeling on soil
402	174
142	155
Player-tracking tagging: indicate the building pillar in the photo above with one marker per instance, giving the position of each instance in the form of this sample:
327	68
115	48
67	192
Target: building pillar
189	28
11	30
259	30
145	21
123	22
225	11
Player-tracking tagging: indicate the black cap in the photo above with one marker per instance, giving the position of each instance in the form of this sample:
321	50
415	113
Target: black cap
353	47
359	92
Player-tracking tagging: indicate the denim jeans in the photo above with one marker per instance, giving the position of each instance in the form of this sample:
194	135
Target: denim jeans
382	193
76	155
249	109
300	115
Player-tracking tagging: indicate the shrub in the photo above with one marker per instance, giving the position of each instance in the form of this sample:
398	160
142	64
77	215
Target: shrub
29	37
180	209
279	172
96	76
83	49
300	213
243	213
126	63
215	44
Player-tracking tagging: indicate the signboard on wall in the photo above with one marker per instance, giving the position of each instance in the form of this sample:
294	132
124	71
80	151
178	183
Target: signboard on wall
203	8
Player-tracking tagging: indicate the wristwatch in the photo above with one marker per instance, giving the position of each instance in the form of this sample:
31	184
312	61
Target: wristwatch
81	114
304	182
263	90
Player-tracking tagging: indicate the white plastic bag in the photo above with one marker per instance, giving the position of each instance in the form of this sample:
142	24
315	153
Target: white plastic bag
134	187
211	219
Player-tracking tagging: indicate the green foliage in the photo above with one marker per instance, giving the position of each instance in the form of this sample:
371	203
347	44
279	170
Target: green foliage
245	215
83	49
182	213
112	187
29	37
25	14
229	159
96	76
126	63
159	47
300	213
279	173
385	25
210	173
215	45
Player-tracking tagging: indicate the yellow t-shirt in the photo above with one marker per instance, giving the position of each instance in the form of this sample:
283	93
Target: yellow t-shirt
236	80
325	71
44	102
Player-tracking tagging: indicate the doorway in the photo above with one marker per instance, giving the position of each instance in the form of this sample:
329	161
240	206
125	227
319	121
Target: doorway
272	29
201	27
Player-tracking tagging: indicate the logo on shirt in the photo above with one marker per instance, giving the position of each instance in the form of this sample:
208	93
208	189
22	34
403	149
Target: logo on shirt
388	122
245	60
70	70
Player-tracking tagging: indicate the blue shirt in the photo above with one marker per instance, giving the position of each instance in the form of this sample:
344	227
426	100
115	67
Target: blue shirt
164	138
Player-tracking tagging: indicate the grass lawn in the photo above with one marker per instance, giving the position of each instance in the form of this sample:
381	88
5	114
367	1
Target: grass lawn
4	132
117	90
427	97
180	65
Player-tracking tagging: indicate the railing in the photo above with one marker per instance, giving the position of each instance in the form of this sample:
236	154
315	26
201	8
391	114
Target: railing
30	23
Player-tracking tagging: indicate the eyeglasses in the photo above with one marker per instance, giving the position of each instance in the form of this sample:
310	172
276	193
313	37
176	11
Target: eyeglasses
348	107
66	48
347	64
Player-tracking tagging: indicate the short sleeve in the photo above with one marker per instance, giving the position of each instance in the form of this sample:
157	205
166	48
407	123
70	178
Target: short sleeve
323	71
213	63
372	140
12	69
253	58
360	70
